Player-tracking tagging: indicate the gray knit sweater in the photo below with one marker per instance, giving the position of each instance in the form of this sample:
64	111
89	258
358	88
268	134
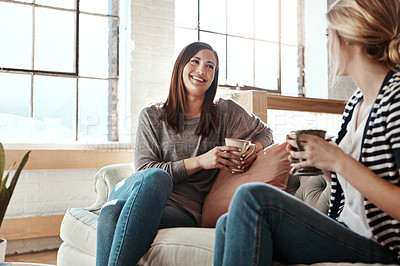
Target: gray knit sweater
159	146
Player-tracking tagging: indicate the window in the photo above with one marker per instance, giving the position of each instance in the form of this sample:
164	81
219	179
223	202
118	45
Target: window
282	122
59	71
254	39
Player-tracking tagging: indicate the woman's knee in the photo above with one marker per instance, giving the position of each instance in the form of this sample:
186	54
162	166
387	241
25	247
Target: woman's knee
256	192
157	179
221	222
109	213
152	179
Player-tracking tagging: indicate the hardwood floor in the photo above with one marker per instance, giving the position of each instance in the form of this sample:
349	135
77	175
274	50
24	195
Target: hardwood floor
45	257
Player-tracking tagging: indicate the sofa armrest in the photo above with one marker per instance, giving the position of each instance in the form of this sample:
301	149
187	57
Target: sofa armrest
105	180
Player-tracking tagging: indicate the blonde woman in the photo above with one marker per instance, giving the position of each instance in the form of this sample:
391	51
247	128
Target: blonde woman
363	224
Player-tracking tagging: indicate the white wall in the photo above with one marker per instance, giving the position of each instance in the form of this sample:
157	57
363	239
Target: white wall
51	192
153	34
316	69
48	192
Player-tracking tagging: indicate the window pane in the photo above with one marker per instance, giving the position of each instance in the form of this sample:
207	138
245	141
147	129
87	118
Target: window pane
289	22
266	61
267	20
107	7
16	29
218	42
15	90
70	4
15	123
98	36
186	13
54	40
282	122
213	15
183	37
240	64
54	107
93	109
289	70
241	18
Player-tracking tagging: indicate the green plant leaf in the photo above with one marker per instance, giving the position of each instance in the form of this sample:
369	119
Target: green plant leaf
2	161
5	197
4	181
18	172
6	193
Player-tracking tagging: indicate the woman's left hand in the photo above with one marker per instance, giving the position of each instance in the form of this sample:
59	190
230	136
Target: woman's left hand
246	162
317	153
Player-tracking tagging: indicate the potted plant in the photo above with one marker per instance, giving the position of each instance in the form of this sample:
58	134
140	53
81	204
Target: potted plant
6	192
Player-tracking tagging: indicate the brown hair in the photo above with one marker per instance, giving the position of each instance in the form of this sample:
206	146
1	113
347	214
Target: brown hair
174	108
372	24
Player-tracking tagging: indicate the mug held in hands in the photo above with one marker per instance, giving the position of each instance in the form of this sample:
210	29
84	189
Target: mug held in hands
243	145
295	135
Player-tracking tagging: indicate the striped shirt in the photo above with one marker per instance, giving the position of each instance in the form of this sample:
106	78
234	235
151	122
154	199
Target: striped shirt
380	152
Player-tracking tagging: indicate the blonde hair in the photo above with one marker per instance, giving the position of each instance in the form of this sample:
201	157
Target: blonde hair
372	24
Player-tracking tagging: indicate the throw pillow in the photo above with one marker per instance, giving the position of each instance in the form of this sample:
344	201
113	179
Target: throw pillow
271	166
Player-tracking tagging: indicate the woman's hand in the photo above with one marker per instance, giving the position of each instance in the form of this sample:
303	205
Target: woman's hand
221	157
218	157
328	156
317	153
246	162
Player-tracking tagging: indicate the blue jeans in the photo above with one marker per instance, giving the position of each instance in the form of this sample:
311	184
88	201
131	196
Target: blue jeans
265	224
129	221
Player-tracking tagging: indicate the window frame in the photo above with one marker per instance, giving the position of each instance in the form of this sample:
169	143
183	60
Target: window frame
113	119
300	49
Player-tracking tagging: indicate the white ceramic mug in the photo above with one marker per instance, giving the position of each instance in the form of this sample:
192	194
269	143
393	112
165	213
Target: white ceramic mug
243	145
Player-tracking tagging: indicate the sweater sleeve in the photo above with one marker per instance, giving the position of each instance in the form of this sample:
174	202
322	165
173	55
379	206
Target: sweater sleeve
244	125
147	148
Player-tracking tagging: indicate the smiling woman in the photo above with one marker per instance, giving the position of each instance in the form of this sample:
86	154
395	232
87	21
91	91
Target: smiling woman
188	64
179	149
198	75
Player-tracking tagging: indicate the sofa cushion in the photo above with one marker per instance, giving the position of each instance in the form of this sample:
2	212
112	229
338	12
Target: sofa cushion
271	166
181	246
69	255
172	246
78	229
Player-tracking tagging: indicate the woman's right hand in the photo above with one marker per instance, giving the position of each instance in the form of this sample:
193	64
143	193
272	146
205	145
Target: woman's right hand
218	157
317	152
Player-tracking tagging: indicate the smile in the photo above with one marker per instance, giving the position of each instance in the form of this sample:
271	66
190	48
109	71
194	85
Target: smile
198	79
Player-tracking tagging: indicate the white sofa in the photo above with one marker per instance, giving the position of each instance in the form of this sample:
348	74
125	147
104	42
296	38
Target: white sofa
171	247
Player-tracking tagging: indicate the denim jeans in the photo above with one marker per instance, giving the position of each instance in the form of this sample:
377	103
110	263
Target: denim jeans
265	224
129	221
